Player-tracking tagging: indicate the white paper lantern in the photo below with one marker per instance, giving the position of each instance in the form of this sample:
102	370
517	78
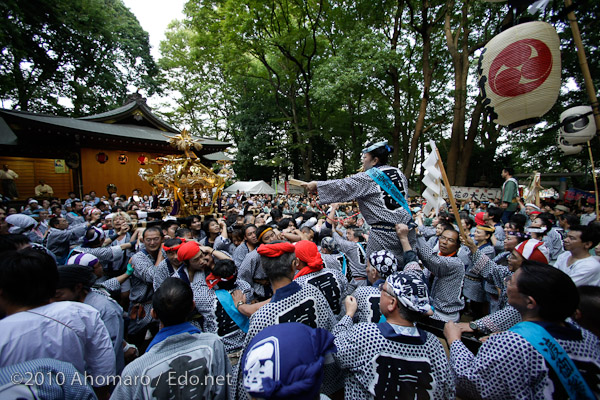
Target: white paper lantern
519	74
568	150
577	127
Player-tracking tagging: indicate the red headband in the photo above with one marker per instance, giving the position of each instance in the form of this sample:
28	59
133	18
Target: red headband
188	250
275	249
176	247
212	280
307	251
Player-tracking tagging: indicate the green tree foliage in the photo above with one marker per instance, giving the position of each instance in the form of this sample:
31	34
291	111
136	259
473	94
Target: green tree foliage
87	51
301	85
536	148
196	85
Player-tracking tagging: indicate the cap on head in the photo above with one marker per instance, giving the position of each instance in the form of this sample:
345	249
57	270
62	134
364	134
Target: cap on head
384	262
410	290
534	250
85	259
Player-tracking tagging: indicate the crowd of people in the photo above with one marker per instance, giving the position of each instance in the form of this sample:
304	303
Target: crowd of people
348	291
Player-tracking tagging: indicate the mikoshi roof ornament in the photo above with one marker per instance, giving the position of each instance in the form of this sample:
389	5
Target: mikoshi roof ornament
568	150
577	125
184	180
519	74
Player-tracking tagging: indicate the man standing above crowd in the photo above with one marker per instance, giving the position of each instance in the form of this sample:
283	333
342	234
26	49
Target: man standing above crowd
510	192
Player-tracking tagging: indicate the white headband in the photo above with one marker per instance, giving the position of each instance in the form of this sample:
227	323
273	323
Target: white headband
375	146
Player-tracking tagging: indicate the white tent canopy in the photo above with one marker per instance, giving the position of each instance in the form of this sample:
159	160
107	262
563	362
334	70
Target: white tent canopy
252	187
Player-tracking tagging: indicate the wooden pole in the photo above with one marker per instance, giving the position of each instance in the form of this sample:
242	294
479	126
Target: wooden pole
589	85
587	76
595	179
450	195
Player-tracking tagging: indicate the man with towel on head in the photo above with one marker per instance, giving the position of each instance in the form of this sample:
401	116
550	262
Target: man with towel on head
291	302
220	312
251	271
393	359
381	264
311	270
197	264
286	361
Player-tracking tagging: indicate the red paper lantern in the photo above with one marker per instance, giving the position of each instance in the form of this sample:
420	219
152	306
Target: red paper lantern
519	74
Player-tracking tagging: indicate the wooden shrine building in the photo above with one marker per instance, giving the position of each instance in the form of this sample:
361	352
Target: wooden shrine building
88	153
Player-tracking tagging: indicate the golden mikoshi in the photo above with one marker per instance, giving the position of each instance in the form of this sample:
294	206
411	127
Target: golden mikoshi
184	179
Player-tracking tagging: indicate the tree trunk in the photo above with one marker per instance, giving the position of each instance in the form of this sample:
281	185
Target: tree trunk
465	157
23	94
394	76
425	32
459	53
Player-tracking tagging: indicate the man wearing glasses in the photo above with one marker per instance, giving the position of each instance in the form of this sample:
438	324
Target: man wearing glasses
503	319
448	269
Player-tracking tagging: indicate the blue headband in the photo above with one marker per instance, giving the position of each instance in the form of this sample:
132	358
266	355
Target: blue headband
376	146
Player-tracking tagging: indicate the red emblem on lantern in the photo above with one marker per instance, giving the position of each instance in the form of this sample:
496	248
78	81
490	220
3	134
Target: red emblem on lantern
520	68
143	160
